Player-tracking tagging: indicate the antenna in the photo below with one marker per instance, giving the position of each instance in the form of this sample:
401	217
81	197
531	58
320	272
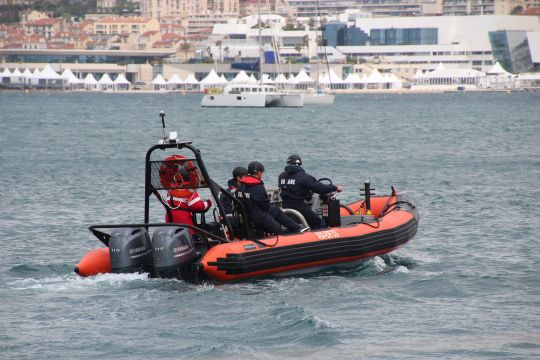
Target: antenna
162	116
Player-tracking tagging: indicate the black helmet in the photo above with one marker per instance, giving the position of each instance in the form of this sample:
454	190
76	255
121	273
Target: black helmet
239	171
255	167
294	160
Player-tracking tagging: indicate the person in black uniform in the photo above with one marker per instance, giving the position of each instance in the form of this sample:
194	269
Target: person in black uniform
252	193
237	174
297	186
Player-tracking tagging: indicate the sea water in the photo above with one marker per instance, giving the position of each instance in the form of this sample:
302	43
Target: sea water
467	286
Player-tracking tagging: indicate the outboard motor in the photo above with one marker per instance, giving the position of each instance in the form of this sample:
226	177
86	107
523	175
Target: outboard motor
130	250
174	252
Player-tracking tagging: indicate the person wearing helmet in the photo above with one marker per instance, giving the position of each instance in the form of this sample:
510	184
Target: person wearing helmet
184	200
237	174
297	186
252	193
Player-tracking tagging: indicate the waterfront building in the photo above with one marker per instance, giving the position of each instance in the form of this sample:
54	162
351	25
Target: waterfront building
157	9
512	49
115	25
403	45
486	7
386	8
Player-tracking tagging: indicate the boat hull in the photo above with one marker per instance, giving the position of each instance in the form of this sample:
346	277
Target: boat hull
319	99
292	253
235	100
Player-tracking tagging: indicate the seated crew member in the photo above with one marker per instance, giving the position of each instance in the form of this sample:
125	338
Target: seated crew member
238	173
296	187
253	195
185	201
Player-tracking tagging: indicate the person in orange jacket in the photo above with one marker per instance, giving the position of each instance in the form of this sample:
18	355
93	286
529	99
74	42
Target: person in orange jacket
185	201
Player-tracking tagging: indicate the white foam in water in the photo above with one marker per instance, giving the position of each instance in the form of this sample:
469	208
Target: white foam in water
379	263
401	269
67	282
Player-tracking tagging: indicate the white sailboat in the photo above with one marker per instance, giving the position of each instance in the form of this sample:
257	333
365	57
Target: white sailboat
252	95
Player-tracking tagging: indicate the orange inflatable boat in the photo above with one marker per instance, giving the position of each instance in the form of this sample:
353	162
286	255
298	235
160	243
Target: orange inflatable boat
223	248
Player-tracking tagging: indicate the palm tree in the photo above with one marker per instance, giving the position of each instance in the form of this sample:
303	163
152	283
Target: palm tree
218	44
305	42
185	47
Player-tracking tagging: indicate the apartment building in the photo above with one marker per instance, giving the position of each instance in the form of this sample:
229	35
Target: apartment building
116	25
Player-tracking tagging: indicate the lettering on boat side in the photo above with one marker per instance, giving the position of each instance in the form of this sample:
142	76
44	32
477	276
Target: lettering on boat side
250	247
327	234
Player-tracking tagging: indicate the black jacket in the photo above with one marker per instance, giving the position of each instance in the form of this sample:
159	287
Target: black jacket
225	200
295	186
252	193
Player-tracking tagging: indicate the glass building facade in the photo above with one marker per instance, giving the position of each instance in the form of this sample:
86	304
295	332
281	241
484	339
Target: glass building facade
409	36
338	34
511	50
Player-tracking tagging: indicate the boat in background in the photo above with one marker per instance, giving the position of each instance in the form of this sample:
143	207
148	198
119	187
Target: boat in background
250	95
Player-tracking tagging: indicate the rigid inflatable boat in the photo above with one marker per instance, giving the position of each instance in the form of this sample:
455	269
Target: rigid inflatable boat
223	248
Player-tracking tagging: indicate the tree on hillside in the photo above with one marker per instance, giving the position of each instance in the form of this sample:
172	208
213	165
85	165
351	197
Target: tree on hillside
186	48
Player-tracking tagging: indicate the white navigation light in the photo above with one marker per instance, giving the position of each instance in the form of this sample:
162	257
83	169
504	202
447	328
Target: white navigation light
173	136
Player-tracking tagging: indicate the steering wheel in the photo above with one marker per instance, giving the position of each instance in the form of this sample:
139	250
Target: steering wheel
326	180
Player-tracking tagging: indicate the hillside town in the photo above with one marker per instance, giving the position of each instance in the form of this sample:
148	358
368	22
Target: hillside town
190	45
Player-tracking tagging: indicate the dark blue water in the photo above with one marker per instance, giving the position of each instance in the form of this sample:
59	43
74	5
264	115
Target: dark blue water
467	286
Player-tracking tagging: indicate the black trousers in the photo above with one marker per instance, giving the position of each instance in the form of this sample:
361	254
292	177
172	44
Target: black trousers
275	219
312	219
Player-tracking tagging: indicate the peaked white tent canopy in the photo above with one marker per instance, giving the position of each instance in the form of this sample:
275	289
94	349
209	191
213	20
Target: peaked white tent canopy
192	83
241	78
70	78
175	82
105	82
17	77
121	83
6	73
497	69
267	80
49	74
90	82
332	79
212	80
303	78
159	83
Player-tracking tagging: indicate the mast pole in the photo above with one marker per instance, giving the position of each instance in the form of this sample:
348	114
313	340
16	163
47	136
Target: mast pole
260	39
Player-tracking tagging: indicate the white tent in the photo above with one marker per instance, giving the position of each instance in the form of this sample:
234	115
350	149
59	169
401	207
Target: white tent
175	82
106	83
121	83
241	78
90	82
212	80
192	83
17	78
293	80
303	78
394	81
354	81
27	76
498	78
34	78
5	77
71	80
49	78
224	79
159	83
281	81
332	79
443	78
267	80
253	79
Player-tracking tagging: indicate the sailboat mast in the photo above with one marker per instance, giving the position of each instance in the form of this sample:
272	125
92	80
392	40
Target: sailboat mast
260	40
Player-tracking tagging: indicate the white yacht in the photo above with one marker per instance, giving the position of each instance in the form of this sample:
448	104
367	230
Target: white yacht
318	97
250	95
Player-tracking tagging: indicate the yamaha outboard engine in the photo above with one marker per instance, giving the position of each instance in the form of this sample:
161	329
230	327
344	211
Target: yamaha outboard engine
130	250
174	252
